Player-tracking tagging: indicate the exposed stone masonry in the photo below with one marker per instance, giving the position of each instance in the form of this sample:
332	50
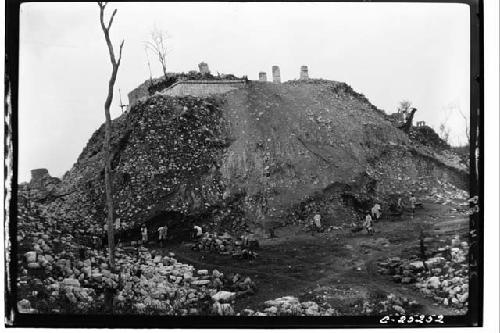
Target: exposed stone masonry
276	74
304	74
203	66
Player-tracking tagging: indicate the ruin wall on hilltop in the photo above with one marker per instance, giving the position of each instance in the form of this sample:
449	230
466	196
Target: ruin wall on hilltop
140	92
203	88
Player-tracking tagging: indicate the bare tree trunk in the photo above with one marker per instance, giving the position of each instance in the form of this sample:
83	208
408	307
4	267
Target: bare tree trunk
107	181
164	70
159	47
149	66
107	135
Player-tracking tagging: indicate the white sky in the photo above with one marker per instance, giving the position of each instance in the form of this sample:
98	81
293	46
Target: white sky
388	52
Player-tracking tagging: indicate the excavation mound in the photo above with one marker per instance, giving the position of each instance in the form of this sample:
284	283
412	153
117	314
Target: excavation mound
255	157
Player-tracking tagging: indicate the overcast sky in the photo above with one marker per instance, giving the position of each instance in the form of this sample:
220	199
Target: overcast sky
388	52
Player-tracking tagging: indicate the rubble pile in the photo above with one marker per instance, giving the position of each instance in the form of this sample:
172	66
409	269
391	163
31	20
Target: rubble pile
446	276
167	152
144	284
399	169
266	153
178	168
374	302
162	283
426	136
331	204
291	306
446	193
229	216
391	304
225	244
337	88
59	274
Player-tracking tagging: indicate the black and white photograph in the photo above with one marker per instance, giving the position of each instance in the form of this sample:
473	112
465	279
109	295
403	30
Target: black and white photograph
183	161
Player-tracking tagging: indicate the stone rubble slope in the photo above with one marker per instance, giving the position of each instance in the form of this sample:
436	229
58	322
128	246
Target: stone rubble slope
54	278
247	158
446	280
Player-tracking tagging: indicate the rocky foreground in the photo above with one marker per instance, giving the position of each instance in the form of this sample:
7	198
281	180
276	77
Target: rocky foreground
59	274
444	276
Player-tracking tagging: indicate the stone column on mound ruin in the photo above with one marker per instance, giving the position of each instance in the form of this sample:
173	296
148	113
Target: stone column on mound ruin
262	76
276	74
37	176
304	73
203	66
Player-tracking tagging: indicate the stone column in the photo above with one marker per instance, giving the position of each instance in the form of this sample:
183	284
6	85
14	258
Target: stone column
262	76
304	73
203	68
276	74
37	176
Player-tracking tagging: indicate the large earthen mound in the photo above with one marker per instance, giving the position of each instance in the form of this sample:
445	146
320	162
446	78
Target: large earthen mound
251	158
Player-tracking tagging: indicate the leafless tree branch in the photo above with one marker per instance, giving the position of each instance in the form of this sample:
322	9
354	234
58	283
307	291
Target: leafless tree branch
158	45
107	135
111	19
120	55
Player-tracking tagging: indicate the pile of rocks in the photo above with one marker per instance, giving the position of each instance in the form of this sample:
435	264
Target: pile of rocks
290	306
391	304
146	283
166	156
238	284
444	276
426	136
447	194
156	283
329	205
225	244
59	274
223	303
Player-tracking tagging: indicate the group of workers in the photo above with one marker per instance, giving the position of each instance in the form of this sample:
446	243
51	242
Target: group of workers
376	212
162	231
197	232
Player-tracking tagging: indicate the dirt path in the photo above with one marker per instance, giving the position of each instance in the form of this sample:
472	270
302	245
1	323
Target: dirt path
340	266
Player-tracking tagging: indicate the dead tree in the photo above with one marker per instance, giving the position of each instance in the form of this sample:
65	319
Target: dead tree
149	65
107	136
158	45
444	132
409	121
404	106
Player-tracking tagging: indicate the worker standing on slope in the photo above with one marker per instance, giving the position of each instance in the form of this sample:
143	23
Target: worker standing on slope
197	232
413	203
144	234
162	235
317	222
376	213
368	225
